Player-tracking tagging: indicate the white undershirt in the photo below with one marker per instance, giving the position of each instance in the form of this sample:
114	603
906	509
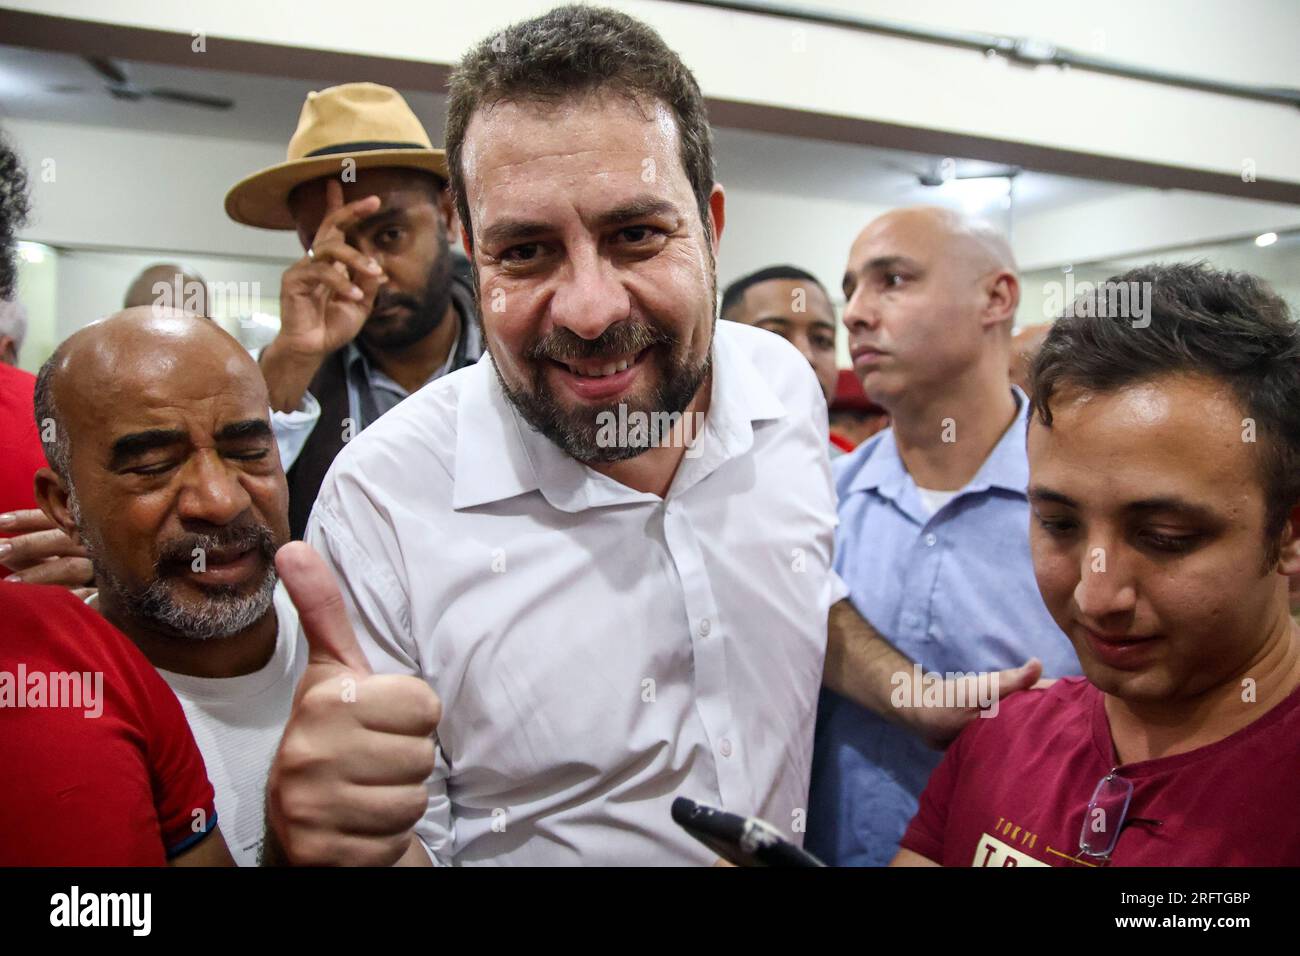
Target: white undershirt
237	723
934	500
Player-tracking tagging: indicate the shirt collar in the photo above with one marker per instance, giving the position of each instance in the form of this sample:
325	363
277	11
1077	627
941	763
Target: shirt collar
499	455
1006	466
373	377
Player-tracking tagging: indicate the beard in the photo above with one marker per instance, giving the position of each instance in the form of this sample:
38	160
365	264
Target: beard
577	431
224	610
424	312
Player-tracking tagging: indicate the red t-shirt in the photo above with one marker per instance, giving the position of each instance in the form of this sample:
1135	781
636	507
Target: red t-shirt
20	443
1013	790
76	789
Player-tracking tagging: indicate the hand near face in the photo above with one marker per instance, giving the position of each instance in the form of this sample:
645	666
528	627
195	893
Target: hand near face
41	553
348	783
325	298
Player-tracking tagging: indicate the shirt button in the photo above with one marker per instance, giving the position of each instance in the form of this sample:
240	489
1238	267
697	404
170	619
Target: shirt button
930	540
725	747
705	627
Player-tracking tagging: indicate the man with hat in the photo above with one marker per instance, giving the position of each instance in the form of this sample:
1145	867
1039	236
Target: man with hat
375	309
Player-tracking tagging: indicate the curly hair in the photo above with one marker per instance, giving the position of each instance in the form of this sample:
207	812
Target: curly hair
13	215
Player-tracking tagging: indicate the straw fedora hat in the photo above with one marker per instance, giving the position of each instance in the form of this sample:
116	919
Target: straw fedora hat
367	123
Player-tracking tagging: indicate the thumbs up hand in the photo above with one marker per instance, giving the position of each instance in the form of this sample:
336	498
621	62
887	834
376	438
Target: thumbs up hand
348	783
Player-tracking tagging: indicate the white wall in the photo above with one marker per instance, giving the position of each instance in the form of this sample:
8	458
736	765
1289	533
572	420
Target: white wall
836	72
127	189
1140	221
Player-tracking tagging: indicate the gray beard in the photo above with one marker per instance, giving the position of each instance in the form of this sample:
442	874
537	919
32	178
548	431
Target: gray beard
221	615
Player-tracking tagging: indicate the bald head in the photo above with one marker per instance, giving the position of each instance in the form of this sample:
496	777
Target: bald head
931	295
964	242
112	364
165	468
167	286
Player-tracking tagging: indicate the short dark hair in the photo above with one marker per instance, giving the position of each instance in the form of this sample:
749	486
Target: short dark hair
572	51
54	438
1226	325
13	215
732	295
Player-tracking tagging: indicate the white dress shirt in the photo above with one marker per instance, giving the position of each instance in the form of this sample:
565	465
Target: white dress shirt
598	650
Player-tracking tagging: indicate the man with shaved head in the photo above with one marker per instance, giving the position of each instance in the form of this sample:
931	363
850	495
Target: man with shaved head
164	468
932	539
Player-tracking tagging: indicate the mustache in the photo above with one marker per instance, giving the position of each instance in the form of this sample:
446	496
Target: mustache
388	302
622	338
178	553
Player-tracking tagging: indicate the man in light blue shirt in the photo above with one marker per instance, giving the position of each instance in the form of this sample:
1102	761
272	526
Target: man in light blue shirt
933	535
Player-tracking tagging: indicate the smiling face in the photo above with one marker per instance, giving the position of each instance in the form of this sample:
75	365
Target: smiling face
1148	536
922	290
595	272
408	236
177	489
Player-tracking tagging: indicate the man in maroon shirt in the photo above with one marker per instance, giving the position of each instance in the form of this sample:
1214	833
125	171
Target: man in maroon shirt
1164	456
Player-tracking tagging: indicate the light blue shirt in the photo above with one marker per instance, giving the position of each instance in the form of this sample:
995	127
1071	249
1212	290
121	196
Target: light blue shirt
954	591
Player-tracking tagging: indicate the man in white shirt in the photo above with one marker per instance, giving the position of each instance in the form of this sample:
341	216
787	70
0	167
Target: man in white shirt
609	617
163	467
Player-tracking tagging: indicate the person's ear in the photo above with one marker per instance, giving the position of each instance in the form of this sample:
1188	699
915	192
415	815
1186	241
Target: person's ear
52	496
1289	554
1003	298
717	215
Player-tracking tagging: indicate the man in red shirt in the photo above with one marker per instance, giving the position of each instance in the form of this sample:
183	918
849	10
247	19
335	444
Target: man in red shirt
1164	456
20	446
20	442
97	764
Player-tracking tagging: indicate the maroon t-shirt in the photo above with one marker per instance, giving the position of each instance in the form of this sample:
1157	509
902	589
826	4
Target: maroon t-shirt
97	763
1013	790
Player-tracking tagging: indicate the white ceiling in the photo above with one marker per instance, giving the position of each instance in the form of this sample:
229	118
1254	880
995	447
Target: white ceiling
61	87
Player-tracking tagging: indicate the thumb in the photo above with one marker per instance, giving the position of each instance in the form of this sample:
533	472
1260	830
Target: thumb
1019	678
320	606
